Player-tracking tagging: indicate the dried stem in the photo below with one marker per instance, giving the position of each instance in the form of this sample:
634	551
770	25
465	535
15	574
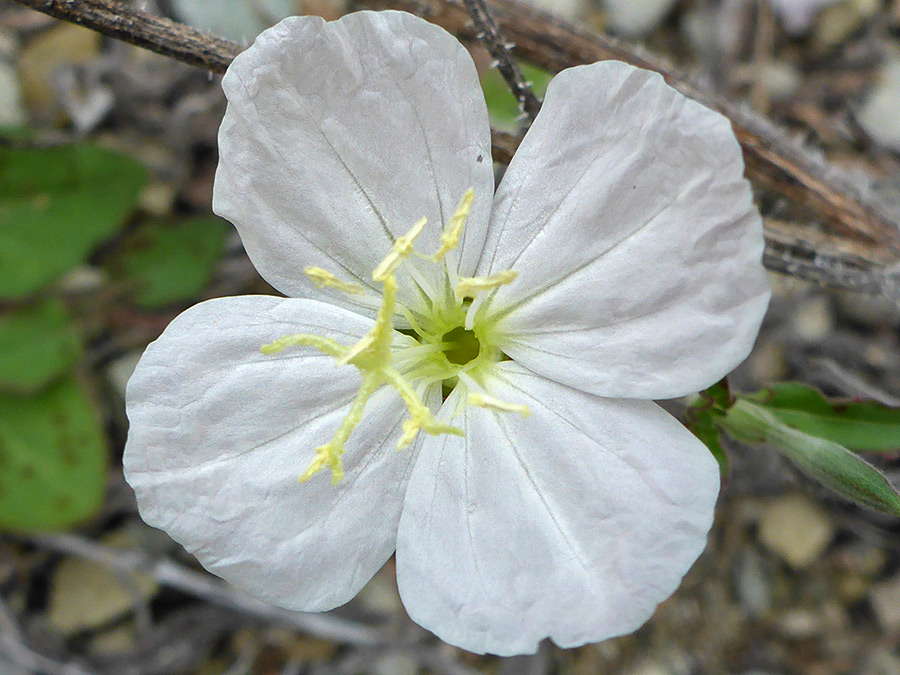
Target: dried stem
499	49
170	574
156	33
14	646
852	243
850	219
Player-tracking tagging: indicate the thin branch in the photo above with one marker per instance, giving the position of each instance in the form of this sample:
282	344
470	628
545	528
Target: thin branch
158	34
857	246
499	49
14	646
170	574
854	217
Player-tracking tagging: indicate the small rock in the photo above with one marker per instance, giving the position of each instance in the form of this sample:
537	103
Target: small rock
814	320
835	24
86	104
120	371
238	20
636	17
781	79
12	112
396	663
752	586
878	113
796	529
799	624
797	15
802	623
853	588
768	362
84	595
647	667
115	641
83	279
61	46
157	198
567	9
872	310
882	662
380	594
885	598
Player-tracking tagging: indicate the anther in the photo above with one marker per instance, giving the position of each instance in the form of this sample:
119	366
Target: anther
469	286
485	401
400	251
453	231
323	344
323	278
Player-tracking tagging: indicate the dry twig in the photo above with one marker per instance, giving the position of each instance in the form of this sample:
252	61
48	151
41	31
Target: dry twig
852	241
170	574
487	32
13	645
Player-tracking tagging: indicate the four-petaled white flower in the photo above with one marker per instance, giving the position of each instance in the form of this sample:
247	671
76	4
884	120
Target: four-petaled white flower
523	333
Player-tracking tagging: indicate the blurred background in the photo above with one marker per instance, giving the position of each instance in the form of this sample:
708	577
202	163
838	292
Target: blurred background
107	157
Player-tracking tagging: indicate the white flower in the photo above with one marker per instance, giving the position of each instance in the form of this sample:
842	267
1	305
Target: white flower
637	251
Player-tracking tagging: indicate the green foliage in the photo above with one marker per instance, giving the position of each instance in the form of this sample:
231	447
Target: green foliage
703	416
865	425
38	343
831	464
52	458
168	263
502	105
56	205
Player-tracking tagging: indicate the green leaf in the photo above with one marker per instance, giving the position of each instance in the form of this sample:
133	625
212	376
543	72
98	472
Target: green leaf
503	108
703	424
702	417
52	459
831	464
865	425
56	205
168	263
38	344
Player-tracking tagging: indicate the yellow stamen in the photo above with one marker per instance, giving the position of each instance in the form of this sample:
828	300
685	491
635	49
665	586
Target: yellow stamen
377	342
469	286
323	344
377	363
323	278
330	453
452	233
400	251
363	345
485	401
372	357
420	417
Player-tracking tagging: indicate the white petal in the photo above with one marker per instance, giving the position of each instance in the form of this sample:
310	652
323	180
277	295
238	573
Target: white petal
637	244
220	433
572	524
339	136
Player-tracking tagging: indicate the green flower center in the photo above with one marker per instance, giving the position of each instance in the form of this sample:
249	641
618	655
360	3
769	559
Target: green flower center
447	352
462	346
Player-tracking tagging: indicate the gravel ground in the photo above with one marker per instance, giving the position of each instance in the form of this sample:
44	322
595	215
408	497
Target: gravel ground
794	579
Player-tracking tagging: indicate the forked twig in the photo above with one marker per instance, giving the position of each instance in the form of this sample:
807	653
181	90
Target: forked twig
499	49
851	239
168	573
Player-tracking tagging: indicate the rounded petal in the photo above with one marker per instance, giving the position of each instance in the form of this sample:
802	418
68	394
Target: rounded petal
220	433
638	247
339	136
571	524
